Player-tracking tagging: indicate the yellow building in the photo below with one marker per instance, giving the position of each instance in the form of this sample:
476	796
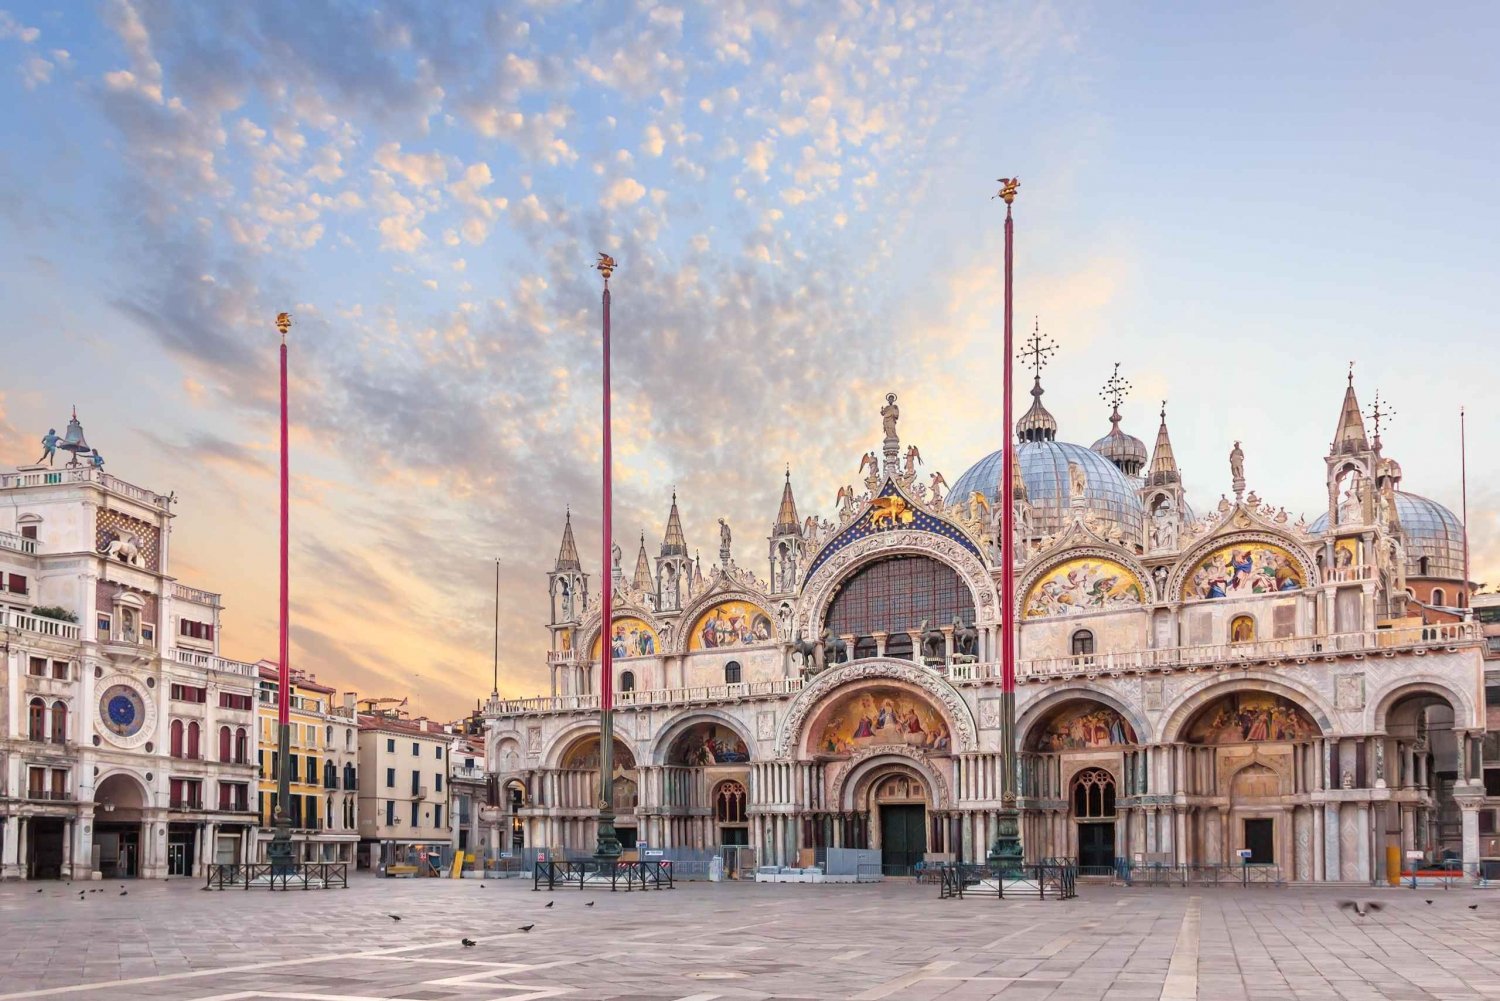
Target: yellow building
324	753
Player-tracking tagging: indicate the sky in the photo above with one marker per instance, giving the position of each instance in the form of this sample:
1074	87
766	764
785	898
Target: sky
1232	201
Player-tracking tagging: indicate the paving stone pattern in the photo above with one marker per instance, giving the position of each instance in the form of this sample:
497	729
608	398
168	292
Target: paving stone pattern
175	942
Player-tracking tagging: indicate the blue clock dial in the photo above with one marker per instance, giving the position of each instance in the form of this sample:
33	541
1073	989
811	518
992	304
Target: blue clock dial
123	711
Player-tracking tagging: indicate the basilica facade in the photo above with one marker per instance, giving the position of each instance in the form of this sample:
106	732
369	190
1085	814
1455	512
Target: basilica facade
1191	682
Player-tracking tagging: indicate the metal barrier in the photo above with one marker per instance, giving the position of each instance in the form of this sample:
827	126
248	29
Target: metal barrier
1452	873
650	875
307	875
957	880
1163	874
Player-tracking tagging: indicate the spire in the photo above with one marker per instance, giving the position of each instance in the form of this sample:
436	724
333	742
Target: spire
787	522
642	579
567	554
1163	463
697	571
674	543
1037	424
1126	451
1350	435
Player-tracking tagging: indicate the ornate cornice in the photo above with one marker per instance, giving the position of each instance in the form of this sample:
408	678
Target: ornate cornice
960	720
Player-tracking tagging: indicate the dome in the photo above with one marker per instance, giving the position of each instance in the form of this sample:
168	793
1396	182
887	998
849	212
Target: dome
1432	534
1126	451
1044	470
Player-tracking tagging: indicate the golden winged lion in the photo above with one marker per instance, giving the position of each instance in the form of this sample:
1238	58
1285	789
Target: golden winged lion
889	512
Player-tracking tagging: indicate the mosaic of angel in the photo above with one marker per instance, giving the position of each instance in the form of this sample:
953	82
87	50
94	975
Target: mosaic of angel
1086	585
881	717
630	638
1238	571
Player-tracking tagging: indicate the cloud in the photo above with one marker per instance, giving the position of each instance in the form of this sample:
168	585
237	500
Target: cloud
11	28
624	191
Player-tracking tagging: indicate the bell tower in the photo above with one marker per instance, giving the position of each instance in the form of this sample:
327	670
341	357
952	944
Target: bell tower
1163	496
786	543
1351	464
674	571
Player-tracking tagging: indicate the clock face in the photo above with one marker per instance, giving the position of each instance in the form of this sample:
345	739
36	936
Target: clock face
122	710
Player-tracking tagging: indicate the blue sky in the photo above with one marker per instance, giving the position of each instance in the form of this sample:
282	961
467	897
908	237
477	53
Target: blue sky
1233	202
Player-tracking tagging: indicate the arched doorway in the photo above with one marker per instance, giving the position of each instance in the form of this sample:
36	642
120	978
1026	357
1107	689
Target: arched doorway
578	783
730	804
1423	757
898	799
119	815
1073	752
1248	768
1093	808
704	778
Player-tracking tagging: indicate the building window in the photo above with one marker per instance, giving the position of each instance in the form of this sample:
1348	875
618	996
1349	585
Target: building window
195	630
1439	596
312	770
176	738
189	693
17	584
732	673
414	814
36	783
60	670
390	778
390	745
439	786
37	667
36	720
1082	643
226	744
627	681
1242	629
893	595
437	816
59	722
439	750
236	700
390	813
28	531
349	777
241	746
1422	566
416	749
59	783
194	732
330	775
1094	795
416	783
102	624
729	803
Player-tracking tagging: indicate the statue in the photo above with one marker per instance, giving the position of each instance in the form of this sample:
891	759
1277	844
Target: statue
835	649
965	638
934	643
1224	504
126	548
619	554
1236	463
723	536
1351	508
810	527
978	502
1253	500
889	414
1164	528
567	600
1346	780
96	460
938	486
669	589
49	446
868	459
846	501
1078	481
913	459
806	649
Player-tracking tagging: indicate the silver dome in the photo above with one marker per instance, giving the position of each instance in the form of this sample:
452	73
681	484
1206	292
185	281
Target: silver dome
1044	470
1432	534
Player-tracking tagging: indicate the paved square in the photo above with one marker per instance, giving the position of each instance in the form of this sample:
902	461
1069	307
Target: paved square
175	942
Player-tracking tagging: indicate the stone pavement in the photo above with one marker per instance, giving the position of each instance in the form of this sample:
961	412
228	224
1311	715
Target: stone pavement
175	942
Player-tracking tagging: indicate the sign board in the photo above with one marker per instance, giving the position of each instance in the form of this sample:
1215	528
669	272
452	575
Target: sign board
1244	853
1139	857
541	856
1414	856
655	853
506	855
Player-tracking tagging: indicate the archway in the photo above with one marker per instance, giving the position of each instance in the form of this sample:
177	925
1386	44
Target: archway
578	787
1424	754
121	802
697	756
1072	750
896	799
1093	808
1249	766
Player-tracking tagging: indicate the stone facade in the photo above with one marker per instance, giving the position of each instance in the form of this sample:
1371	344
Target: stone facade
1187	686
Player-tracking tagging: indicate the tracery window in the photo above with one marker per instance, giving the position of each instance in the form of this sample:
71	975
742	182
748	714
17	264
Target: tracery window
729	802
1094	795
895	595
1082	643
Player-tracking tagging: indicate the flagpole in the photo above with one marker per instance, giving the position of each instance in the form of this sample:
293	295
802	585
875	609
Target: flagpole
607	846
1005	852
279	851
1463	472
495	690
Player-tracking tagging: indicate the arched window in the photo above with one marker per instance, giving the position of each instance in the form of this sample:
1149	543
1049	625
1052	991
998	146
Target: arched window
1242	629
732	673
894	595
241	746
226	744
1422	566
1082	643
330	781
177	738
193	732
59	722
348	776
627	681
1094	795
1439	596
729	802
36	720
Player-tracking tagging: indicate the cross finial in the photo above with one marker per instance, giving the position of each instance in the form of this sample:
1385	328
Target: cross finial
1038	350
1164	411
1115	390
1379	412
1351	373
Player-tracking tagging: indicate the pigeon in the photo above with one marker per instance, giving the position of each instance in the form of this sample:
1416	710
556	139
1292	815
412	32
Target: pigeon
38	891
468	943
1357	907
1429	903
591	904
1473	907
124	893
526	927
394	917
550	903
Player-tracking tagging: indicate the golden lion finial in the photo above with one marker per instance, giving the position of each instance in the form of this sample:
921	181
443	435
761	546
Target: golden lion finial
1008	186
283	323
606	265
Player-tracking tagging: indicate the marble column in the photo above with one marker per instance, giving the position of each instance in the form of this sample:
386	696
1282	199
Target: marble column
1331	870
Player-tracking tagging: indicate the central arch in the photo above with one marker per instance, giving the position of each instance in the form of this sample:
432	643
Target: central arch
794	737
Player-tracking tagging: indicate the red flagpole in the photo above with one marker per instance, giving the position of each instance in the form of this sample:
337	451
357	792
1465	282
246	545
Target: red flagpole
607	846
279	851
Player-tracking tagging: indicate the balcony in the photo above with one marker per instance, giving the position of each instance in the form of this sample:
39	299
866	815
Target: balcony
185	593
1299	649
472	773
209	662
83	474
17	543
187	803
49	795
55	628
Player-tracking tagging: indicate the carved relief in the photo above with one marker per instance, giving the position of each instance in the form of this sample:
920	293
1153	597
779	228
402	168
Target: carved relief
1349	691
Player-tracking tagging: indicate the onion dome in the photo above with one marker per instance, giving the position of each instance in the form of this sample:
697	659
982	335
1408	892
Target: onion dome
1037	424
1126	451
1432	535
